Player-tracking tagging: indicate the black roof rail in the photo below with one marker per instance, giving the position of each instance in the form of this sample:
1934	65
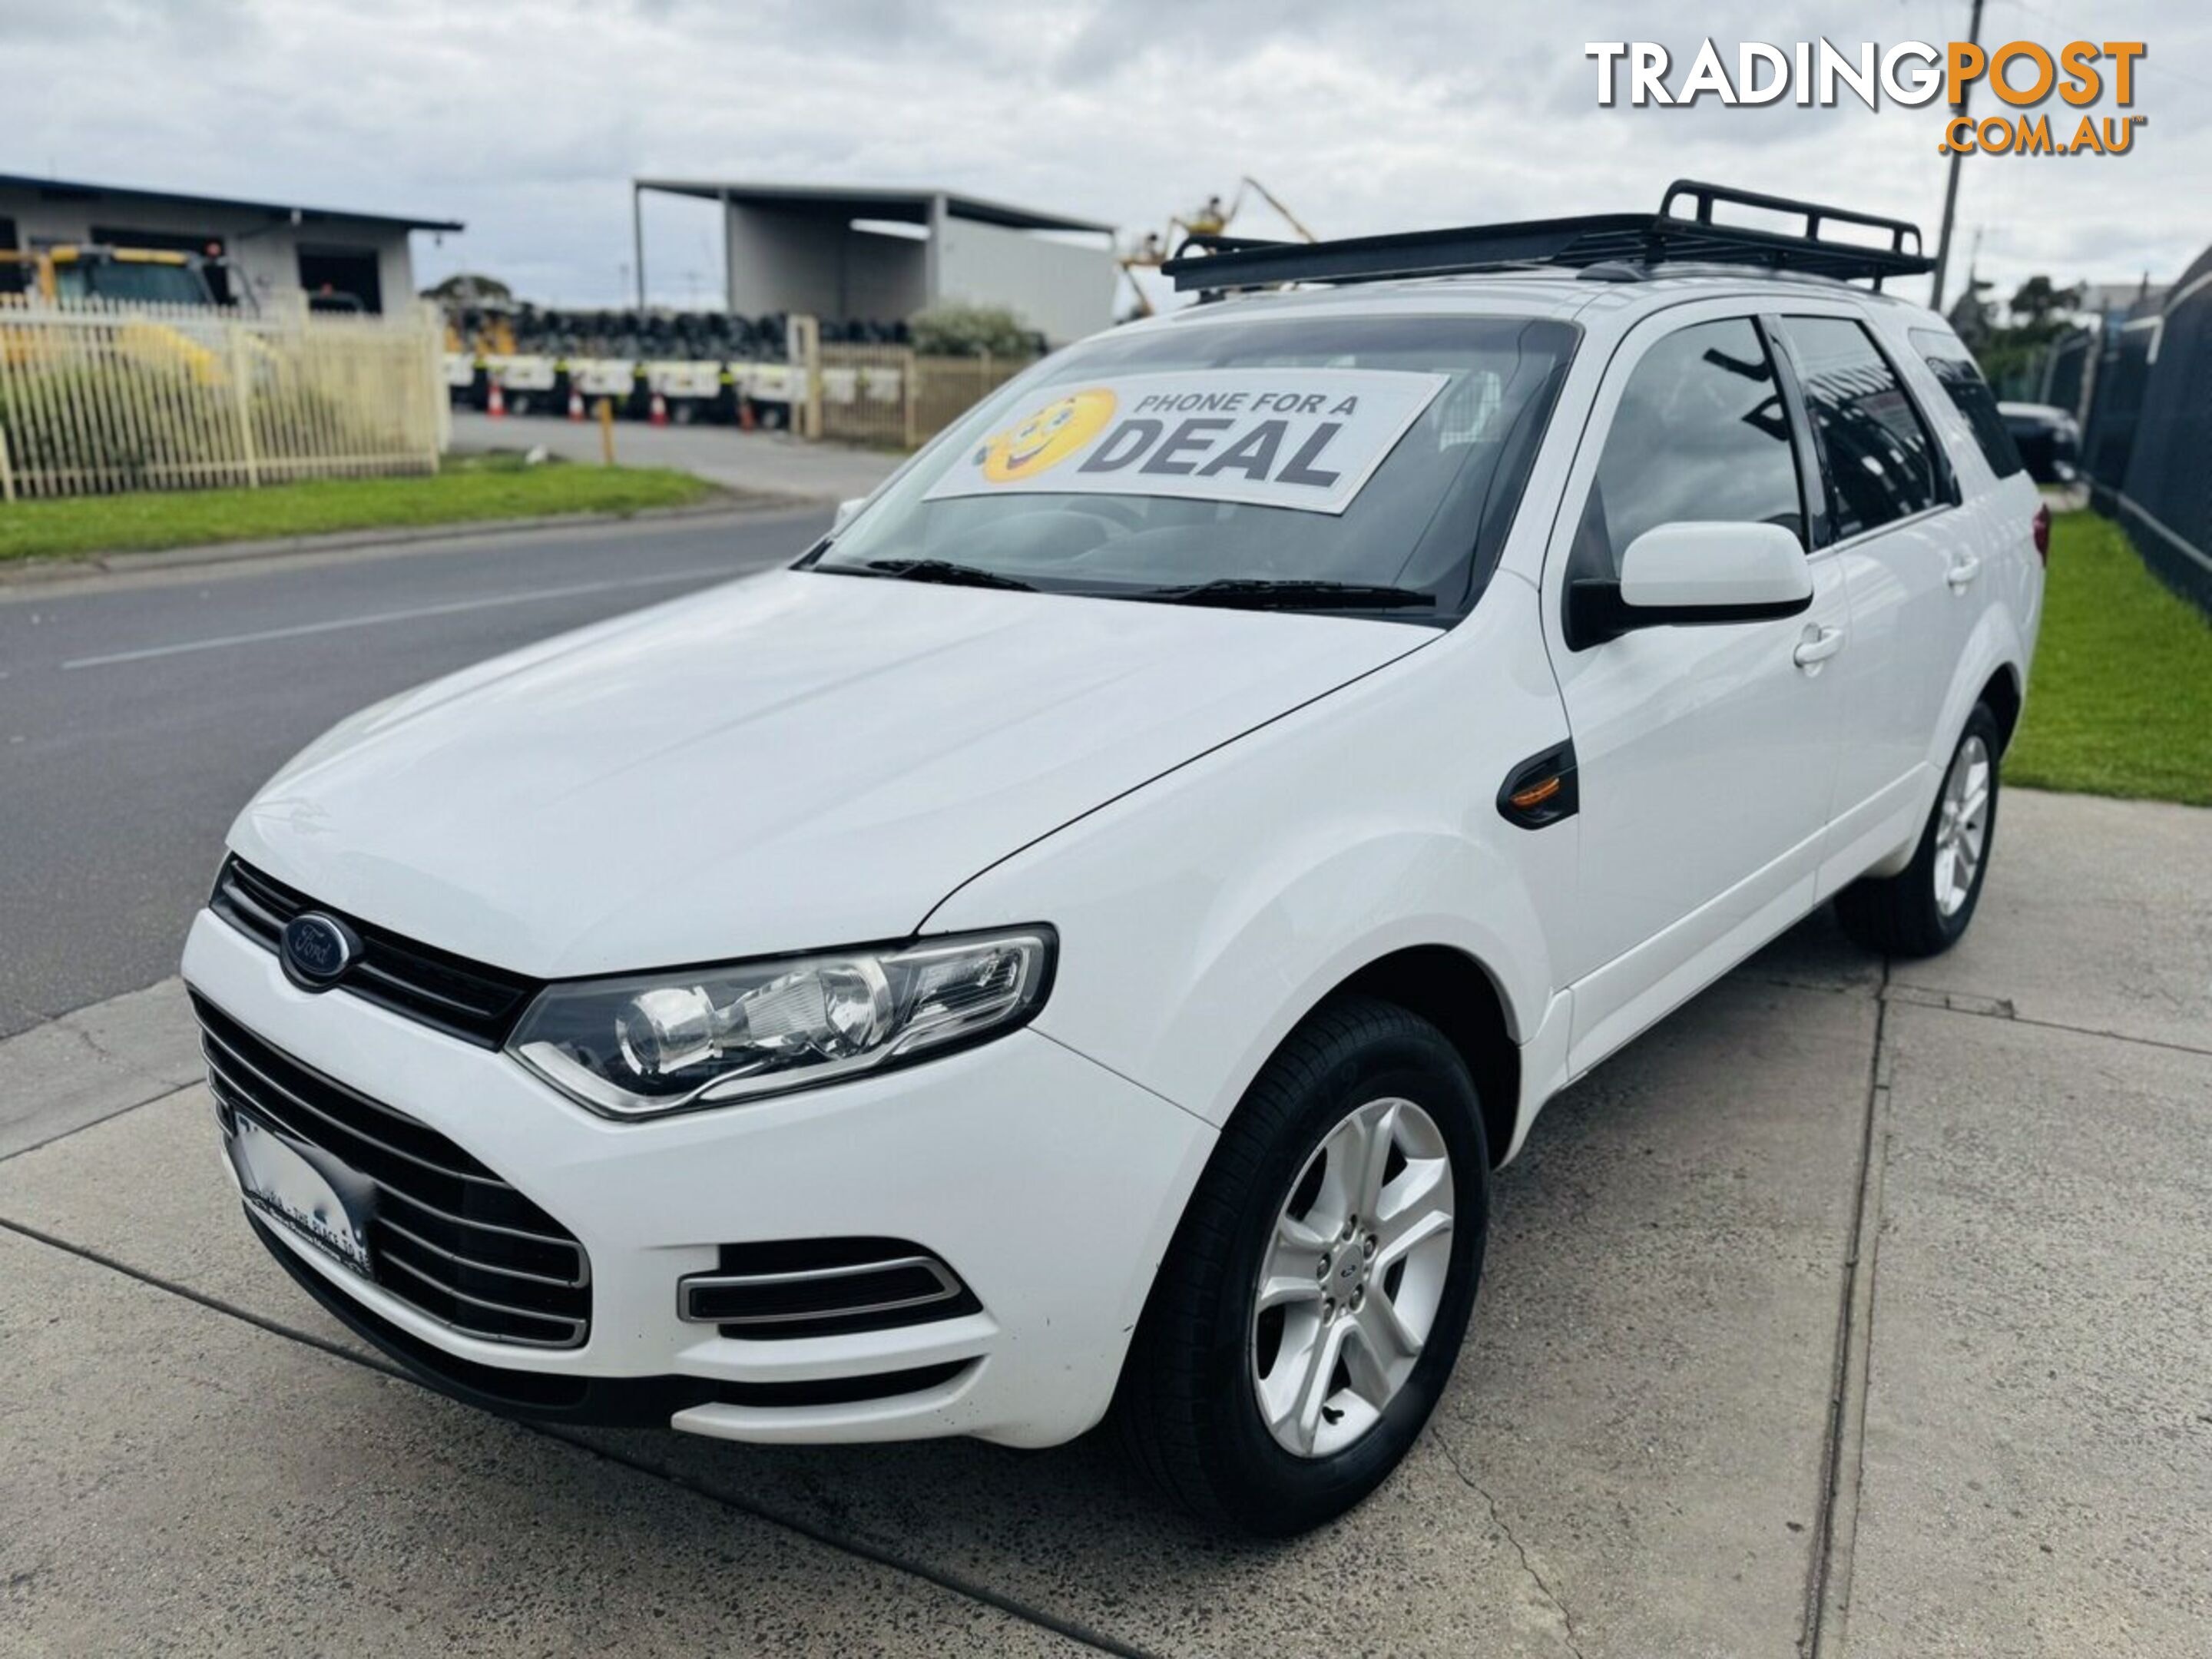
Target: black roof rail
1635	241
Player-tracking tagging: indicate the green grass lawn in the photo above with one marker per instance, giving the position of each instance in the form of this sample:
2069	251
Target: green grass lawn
2120	703
469	489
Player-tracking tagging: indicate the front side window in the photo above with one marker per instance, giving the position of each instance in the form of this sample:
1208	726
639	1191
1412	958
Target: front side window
1701	435
1329	463
1881	459
1970	394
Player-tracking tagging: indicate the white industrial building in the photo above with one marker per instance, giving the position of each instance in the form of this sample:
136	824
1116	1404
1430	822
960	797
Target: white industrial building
846	254
274	247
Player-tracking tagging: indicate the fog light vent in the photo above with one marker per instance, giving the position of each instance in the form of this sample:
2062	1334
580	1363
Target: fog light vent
823	1287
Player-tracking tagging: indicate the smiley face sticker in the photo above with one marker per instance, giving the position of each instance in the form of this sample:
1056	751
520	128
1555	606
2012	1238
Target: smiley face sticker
1047	436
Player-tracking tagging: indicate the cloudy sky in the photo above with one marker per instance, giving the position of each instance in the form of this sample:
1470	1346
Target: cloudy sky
527	119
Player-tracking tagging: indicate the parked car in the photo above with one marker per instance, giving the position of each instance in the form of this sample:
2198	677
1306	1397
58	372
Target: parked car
1081	939
2049	440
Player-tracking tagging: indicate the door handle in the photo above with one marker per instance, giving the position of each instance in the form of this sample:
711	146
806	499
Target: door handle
1963	571
1816	647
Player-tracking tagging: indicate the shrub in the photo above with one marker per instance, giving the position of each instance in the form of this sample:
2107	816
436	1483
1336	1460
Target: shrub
953	330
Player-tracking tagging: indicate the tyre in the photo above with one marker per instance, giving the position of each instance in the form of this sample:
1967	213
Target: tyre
1309	1310
1924	909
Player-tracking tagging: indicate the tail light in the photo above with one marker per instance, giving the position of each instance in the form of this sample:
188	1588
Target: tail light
2043	534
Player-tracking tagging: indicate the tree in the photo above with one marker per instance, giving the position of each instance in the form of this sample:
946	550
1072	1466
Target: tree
953	330
467	289
2039	308
2012	354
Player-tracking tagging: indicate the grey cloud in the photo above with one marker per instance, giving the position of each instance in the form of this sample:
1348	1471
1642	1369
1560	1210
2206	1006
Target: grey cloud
1185	41
528	119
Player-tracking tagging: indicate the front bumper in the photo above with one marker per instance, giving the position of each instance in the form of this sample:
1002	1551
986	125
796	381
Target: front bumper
1049	1184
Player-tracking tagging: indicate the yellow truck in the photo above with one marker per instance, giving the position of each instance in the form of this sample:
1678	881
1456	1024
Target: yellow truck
88	271
171	284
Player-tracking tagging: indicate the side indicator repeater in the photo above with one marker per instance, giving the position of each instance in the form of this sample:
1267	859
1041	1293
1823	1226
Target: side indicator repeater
1541	790
1536	793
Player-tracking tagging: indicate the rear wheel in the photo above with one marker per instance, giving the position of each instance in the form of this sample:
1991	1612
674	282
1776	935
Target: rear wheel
1307	1317
1925	908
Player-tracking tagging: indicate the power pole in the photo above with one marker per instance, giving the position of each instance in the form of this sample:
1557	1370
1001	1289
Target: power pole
1951	187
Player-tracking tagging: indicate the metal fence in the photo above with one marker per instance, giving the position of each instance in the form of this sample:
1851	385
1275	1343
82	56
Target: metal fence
889	396
2147	443
2065	379
99	397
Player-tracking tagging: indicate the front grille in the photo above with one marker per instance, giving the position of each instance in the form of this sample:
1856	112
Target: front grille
463	998
448	1237
823	1287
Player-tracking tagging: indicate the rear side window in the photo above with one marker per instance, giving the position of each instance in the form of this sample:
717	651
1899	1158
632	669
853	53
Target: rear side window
1701	434
1971	396
1880	460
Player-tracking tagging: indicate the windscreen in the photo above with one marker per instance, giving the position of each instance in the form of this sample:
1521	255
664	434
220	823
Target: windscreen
149	283
1323	463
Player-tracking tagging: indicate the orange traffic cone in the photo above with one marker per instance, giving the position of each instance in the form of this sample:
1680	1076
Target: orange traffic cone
496	406
746	421
659	412
575	404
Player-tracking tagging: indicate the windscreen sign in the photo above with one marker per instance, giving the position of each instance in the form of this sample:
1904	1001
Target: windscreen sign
1307	439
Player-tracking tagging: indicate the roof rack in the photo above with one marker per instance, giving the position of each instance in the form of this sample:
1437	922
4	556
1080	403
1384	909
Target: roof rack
1627	244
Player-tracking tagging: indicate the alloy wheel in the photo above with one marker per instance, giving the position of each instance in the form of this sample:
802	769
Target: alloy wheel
1352	1277
1962	825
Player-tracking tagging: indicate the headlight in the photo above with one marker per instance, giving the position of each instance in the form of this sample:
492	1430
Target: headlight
651	1043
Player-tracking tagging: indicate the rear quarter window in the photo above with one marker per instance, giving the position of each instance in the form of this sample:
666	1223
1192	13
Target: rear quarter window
1882	464
1970	394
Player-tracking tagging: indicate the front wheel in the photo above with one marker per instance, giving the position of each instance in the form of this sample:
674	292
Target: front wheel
1924	910
1308	1315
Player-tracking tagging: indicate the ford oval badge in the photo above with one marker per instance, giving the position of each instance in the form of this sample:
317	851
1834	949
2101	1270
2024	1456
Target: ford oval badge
317	950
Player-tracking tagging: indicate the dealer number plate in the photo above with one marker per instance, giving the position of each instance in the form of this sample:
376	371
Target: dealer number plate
305	1190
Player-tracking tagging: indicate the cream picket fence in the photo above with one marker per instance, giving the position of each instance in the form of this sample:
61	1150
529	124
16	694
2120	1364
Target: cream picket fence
888	395
101	397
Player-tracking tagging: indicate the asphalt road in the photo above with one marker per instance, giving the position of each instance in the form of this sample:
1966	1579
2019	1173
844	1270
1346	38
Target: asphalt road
137	714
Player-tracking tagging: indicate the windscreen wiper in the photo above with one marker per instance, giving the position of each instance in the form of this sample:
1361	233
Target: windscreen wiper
1265	593
952	574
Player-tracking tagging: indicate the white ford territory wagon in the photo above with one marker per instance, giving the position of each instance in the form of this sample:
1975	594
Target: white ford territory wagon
1078	941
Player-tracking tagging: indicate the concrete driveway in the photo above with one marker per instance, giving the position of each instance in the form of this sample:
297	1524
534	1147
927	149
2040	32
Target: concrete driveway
768	462
1850	1311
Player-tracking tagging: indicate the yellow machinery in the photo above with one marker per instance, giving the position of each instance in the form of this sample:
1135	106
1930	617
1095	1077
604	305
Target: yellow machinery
134	275
490	334
127	277
1209	220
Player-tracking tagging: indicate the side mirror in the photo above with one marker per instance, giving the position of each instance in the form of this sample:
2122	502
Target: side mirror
846	511
1692	573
